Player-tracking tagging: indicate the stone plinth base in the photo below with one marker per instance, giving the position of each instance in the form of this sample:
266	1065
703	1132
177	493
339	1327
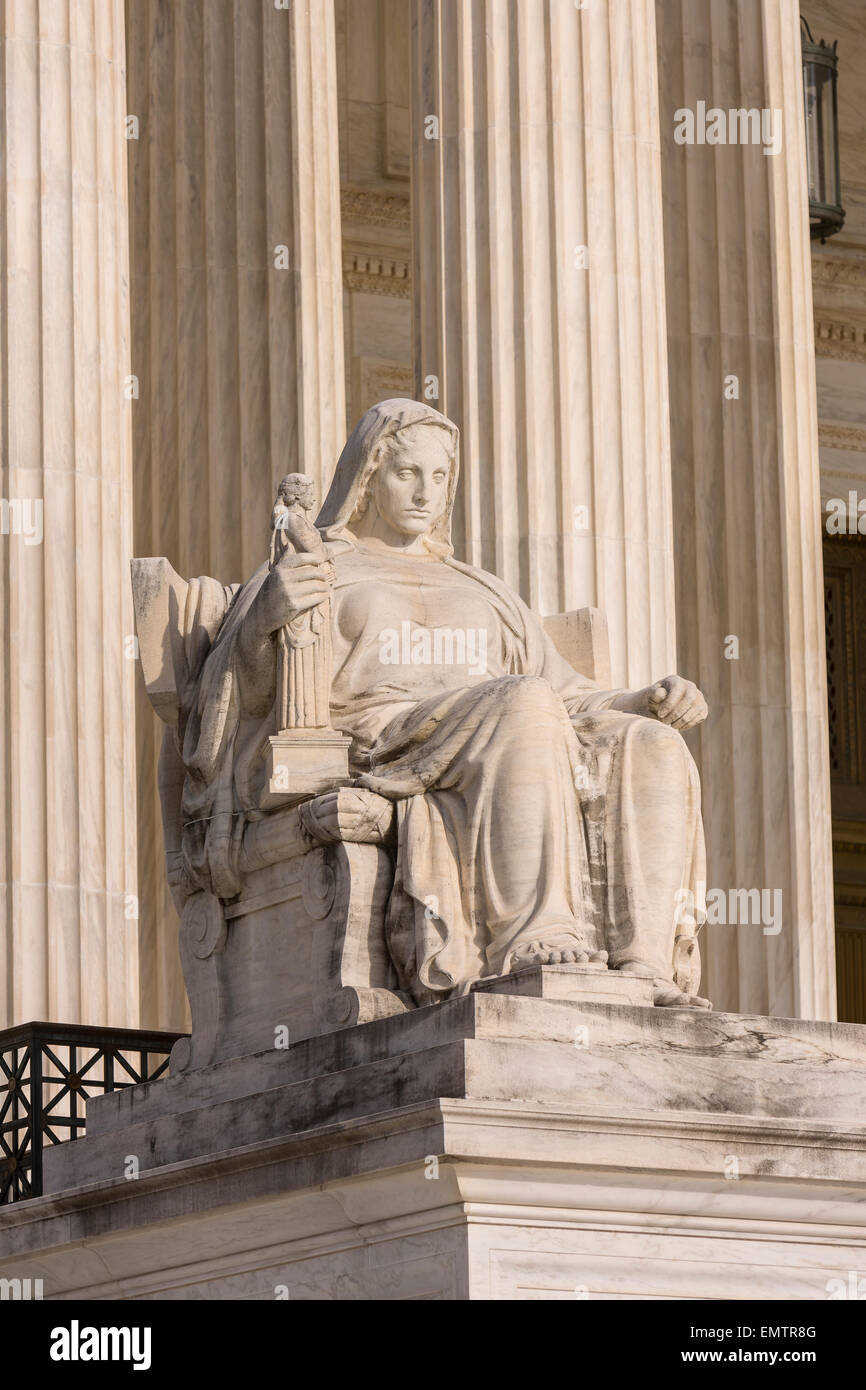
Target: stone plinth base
491	1147
582	983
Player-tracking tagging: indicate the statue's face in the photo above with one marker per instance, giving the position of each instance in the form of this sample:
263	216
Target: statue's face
410	488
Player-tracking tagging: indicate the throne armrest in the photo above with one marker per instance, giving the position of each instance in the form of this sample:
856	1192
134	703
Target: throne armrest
159	598
176	621
581	638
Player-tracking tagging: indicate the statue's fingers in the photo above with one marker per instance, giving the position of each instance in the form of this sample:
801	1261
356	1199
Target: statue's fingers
679	712
667	707
301	574
687	715
323	824
697	718
697	714
310	589
294	560
300	606
305	574
673	696
352	825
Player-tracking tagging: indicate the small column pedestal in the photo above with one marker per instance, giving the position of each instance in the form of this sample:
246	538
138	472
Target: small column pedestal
304	762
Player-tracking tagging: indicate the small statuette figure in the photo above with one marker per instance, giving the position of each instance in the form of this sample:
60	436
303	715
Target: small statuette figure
304	645
306	755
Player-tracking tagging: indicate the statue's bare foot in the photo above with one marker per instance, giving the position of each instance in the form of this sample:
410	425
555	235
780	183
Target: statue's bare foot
667	996
552	952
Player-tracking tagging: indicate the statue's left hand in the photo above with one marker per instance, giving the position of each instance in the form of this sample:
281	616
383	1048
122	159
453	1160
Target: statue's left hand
673	701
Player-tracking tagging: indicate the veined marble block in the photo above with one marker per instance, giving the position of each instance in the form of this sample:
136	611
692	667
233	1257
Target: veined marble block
497	1146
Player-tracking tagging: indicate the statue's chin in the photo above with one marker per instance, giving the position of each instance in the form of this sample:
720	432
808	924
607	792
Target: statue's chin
394	532
400	538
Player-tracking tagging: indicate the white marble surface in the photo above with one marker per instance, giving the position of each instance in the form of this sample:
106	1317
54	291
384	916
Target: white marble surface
802	1082
68	882
553	366
240	355
747	504
527	1202
496	1147
537	817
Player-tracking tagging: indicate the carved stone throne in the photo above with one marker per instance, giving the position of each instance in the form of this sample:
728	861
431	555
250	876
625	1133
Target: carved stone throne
301	950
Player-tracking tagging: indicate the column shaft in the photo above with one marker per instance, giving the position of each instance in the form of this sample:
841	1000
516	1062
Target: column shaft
238	345
746	495
67	758
539	301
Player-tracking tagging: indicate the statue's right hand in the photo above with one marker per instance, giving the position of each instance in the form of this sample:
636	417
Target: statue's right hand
351	814
295	584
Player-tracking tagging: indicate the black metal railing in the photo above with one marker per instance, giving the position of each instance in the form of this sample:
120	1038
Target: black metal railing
47	1073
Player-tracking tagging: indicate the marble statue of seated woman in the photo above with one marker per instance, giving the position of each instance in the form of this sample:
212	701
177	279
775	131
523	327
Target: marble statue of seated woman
538	817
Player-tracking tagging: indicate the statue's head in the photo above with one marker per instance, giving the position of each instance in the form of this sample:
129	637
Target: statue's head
396	476
297	487
407	485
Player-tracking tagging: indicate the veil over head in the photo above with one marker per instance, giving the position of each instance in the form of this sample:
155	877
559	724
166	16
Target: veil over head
361	457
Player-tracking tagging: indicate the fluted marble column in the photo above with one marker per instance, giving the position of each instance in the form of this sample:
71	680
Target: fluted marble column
237	326
746	495
539	301
67	759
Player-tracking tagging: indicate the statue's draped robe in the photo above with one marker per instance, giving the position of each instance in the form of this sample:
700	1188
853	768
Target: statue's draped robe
526	808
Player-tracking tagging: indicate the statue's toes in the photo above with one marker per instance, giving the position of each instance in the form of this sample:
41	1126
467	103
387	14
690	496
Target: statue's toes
537	953
694	1001
533	953
669	997
571	955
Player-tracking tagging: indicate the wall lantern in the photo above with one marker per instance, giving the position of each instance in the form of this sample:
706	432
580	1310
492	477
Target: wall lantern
820	65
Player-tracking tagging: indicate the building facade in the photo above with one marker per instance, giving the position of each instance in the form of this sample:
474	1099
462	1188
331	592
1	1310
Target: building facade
229	226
